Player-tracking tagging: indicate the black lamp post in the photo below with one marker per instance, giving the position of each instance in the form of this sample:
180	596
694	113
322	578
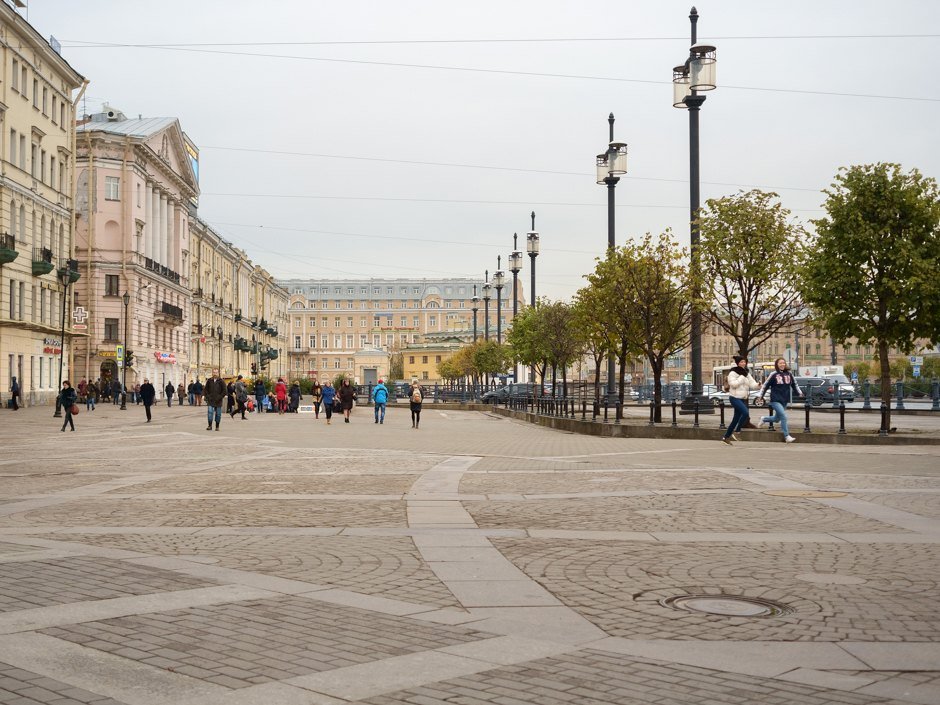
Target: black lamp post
487	287
475	308
218	332
610	165
126	299
254	352
532	247
499	281
515	266
696	74
66	275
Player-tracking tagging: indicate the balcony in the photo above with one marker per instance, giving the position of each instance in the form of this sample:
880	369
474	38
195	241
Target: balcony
197	294
238	316
168	313
42	261
161	270
298	351
8	251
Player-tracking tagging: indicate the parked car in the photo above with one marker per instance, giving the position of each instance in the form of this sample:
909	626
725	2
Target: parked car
822	390
501	394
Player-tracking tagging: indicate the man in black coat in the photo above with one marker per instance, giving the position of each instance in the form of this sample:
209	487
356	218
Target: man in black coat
215	392
147	395
170	391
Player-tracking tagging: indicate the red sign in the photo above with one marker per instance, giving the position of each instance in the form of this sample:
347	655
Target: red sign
165	357
49	350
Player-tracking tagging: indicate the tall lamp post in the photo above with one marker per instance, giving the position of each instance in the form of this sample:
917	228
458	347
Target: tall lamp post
127	300
610	166
695	75
487	287
218	332
499	281
532	247
66	275
475	308
515	266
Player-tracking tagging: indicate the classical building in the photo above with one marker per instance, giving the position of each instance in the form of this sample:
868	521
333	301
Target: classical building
420	361
330	320
239	313
135	198
36	210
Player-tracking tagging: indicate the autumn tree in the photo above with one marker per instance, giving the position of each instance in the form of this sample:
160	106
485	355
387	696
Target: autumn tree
873	274
595	334
751	252
527	339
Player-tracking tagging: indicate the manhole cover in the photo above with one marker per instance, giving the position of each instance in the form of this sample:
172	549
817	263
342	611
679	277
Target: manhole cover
830	579
726	605
805	493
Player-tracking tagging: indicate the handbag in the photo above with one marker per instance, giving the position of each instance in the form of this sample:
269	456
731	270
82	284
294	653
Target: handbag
74	410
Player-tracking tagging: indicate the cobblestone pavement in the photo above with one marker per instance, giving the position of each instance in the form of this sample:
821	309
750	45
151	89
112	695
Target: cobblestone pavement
480	561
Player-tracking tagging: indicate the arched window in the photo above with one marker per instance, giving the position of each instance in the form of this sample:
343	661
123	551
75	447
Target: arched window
22	222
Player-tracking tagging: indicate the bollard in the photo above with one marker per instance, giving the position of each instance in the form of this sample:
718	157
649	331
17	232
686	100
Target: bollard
842	417
583	409
900	405
652	407
606	404
867	404
619	414
695	422
675	423
936	396
883	431
721	409
808	406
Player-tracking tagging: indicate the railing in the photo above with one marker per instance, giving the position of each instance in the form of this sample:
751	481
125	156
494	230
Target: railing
170	310
161	270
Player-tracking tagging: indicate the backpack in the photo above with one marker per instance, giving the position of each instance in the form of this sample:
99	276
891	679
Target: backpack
416	395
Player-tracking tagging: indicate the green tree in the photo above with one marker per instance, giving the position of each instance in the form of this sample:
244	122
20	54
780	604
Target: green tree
594	333
490	358
873	274
563	343
751	253
449	370
527	340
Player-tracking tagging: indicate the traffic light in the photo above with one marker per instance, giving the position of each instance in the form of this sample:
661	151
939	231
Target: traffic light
128	358
254	369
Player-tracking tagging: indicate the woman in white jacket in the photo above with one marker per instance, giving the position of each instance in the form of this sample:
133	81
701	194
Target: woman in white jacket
740	383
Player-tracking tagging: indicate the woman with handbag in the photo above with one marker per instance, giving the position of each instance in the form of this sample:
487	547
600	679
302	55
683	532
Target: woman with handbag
67	399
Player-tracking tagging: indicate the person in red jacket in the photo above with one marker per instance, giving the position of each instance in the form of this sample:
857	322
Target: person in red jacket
280	393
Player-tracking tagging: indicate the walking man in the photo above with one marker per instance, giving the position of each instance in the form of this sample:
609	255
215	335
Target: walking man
260	394
170	389
241	397
147	395
116	390
380	398
15	393
214	392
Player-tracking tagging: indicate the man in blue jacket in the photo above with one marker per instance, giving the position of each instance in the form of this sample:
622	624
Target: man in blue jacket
380	398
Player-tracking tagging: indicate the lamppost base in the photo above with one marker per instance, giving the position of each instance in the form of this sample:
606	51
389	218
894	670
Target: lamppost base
124	401
58	411
705	405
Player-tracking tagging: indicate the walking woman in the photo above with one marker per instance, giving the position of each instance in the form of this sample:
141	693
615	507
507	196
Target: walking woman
317	393
295	396
782	385
329	394
415	398
346	394
740	383
280	394
15	393
67	399
91	396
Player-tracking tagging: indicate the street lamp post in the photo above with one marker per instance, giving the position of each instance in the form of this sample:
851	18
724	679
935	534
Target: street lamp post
688	79
218	332
487	287
515	266
610	166
532	247
475	308
127	299
66	275
499	281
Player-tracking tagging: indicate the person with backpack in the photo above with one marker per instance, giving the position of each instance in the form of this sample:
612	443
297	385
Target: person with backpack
782	385
91	396
380	399
329	395
346	396
415	399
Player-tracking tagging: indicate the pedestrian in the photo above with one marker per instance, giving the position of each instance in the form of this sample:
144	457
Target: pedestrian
316	391
116	390
189	392
241	397
739	384
230	399
346	395
295	396
147	395
782	384
260	393
91	396
137	393
180	393
82	386
197	391
380	399
280	395
67	399
415	399
329	395
168	390
15	393
215	395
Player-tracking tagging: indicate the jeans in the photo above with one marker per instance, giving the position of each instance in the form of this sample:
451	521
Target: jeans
780	416
147	409
741	415
379	405
192	399
89	403
117	397
259	404
217	410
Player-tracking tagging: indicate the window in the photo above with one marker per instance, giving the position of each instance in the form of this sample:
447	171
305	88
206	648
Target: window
424	374
42	166
375	322
389	339
363	322
424	359
376	341
55	108
45	100
336	363
363	290
296	342
23	152
404	321
23	78
35	160
349	342
138	195
338	342
16	75
110	329
52	171
432	320
324	341
363	340
437	358
35	93
417	290
111	285
112	188
411	359
350	290
388	290
414	322
324	322
349	322
336	322
62	114
350	304
313	341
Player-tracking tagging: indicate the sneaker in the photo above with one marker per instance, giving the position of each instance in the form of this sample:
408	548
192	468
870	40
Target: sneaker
761	424
209	427
727	441
382	421
216	428
789	439
734	437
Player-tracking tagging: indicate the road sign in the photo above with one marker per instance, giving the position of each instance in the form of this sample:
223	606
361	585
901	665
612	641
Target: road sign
917	370
789	355
916	359
119	353
854	376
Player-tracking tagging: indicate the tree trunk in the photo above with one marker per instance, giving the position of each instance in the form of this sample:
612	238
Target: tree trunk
623	370
885	379
598	361
657	390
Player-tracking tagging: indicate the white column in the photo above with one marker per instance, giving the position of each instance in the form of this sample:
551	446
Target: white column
176	255
165	226
148	220
155	230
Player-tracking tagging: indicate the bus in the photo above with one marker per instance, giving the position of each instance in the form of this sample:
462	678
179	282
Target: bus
759	371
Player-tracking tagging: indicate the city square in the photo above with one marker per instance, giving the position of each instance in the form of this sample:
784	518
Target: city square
478	559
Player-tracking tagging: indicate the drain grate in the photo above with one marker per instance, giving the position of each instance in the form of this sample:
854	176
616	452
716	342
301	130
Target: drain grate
726	605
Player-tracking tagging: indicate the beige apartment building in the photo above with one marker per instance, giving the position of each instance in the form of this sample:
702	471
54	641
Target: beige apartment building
36	210
331	320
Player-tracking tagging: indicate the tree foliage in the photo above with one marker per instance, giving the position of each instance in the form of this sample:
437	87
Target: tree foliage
750	255
527	339
873	274
593	331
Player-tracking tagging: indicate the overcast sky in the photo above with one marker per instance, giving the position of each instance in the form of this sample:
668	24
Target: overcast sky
514	141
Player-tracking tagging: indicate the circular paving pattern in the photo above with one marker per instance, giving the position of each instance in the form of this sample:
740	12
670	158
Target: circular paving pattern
726	605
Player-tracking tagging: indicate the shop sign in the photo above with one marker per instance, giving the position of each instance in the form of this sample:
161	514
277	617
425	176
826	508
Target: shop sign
165	357
107	353
51	346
